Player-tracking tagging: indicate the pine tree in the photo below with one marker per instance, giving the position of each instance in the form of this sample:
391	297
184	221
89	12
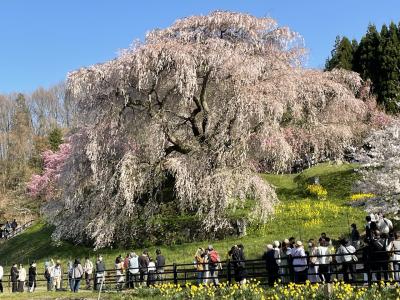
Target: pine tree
341	55
366	61
389	62
55	139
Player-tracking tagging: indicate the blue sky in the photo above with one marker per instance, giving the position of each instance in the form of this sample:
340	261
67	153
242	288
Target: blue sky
41	40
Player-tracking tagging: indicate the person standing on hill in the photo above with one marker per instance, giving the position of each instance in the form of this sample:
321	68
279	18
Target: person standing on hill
300	265
199	264
14	225
313	275
355	236
57	275
133	270
370	227
143	265
32	277
160	264
385	226
271	265
77	274
14	278
214	264
126	261
100	271
21	278
345	254
151	272
88	268
119	272
206	271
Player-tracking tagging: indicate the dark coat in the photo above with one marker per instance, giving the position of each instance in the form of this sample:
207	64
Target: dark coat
160	261
270	261
100	266
32	275
143	263
14	274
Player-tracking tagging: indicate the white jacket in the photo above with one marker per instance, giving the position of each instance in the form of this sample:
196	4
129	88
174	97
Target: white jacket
88	268
345	250
22	274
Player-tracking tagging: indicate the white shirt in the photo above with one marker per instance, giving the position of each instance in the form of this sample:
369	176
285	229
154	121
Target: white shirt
384	225
321	250
57	271
345	250
1	272
299	259
134	265
152	266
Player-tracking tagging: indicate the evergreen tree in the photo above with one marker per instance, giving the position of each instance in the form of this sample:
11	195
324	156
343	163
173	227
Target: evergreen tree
341	55
366	61
55	139
389	61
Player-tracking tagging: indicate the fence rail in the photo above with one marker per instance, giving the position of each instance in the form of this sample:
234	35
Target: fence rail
369	267
18	230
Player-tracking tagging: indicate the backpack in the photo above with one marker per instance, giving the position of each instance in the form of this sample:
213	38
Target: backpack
214	257
47	274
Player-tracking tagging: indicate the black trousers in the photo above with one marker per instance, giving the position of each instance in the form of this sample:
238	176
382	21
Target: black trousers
14	286
300	277
348	267
1	285
324	273
133	279
21	285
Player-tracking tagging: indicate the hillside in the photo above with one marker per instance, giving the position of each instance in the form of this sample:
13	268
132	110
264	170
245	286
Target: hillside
298	215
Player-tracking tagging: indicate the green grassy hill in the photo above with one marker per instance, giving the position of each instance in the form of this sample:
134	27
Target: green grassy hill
298	215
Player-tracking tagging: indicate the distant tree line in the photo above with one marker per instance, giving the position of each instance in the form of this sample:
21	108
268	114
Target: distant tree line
30	124
377	58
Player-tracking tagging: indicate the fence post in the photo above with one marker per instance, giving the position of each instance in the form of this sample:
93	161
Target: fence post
369	274
175	274
95	280
228	270
127	285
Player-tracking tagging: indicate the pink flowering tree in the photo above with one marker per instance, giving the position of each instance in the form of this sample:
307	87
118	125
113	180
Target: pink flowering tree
45	185
198	105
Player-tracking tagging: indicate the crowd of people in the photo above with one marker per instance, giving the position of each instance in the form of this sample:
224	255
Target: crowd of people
375	254
8	229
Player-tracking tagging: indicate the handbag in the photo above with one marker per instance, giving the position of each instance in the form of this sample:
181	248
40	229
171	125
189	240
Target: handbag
353	256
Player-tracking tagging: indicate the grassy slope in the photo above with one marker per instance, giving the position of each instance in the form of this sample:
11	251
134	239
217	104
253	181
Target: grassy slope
297	216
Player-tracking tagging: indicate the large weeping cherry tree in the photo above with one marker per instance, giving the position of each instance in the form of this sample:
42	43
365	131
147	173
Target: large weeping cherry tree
198	105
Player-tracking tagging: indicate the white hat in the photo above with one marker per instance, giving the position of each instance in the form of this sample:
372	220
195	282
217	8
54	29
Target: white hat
299	243
270	247
276	244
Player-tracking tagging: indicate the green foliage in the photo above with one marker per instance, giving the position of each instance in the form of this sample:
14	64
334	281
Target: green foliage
389	62
366	60
342	54
55	139
377	58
